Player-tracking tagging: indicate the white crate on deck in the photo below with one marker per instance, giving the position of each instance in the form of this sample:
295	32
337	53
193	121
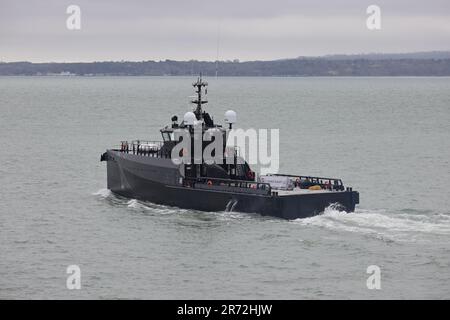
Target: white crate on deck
277	182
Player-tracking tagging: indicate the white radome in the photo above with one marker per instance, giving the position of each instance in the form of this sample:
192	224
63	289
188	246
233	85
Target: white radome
189	118
230	117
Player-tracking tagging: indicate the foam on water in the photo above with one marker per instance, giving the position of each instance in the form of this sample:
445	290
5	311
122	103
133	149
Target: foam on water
133	203
381	223
129	203
403	225
104	193
150	207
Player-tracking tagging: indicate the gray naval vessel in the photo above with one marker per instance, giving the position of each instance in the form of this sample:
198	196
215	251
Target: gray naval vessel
147	170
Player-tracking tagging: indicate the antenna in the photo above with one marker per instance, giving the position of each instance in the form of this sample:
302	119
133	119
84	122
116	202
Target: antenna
199	84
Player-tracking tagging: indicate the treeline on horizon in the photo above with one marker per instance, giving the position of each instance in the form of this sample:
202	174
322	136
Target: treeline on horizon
301	67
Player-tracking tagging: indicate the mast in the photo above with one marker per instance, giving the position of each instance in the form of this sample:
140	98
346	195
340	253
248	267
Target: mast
199	85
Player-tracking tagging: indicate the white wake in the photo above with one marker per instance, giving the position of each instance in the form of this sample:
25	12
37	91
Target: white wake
380	223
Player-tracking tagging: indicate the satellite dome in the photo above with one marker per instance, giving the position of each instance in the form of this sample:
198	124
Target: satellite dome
230	117
189	118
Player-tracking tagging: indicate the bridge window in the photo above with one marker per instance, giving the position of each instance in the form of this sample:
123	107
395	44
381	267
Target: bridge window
166	136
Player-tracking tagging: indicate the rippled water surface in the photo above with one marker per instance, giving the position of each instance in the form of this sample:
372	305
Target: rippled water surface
389	138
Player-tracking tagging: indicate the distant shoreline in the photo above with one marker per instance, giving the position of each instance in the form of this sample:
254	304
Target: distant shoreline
406	65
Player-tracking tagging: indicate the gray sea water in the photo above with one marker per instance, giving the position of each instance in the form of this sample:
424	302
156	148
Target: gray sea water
389	138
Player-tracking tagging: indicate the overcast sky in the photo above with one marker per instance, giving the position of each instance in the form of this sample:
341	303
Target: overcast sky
35	30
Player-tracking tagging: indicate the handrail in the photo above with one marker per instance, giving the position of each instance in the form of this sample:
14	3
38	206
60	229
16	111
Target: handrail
144	142
245	184
154	148
144	148
306	177
333	183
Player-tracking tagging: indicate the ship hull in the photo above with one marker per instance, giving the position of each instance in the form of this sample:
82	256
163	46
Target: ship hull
157	180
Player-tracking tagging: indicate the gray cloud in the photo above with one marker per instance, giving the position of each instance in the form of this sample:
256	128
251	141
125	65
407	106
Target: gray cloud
141	30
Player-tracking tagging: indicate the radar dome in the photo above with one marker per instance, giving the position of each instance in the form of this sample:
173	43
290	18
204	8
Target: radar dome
189	118
230	117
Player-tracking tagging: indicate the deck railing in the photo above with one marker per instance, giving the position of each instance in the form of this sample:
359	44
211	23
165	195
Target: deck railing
308	181
144	148
154	149
232	185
